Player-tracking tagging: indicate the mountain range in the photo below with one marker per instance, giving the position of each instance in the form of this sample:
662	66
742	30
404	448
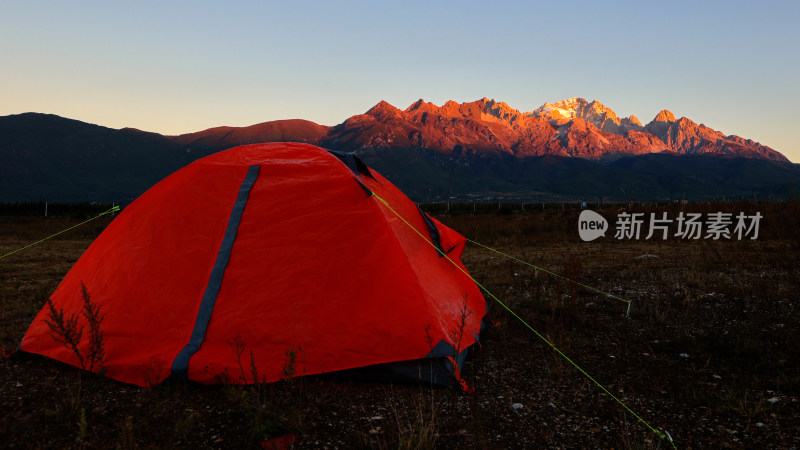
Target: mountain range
570	128
571	149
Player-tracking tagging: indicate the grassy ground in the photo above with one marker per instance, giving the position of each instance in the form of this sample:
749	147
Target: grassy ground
709	354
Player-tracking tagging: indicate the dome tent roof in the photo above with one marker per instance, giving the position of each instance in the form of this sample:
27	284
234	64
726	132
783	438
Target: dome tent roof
279	249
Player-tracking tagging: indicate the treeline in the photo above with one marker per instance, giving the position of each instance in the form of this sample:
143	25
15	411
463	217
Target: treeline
530	223
42	209
501	207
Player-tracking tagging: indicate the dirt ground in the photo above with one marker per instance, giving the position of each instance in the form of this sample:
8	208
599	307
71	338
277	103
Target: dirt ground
710	353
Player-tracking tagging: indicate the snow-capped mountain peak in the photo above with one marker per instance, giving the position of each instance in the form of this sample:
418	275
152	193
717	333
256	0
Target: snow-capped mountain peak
593	112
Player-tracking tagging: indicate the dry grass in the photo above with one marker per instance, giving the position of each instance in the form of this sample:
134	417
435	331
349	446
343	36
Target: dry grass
710	353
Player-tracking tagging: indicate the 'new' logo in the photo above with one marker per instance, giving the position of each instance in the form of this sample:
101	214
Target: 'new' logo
591	225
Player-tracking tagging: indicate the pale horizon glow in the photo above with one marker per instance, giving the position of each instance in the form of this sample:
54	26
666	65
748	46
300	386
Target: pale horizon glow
179	67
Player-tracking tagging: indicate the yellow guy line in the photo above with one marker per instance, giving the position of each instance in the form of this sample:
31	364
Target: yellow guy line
114	209
654	430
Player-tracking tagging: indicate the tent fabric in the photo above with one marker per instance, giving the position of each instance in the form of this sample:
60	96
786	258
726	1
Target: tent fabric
276	252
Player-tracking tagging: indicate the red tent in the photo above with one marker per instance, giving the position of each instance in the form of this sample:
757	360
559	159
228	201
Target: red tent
280	251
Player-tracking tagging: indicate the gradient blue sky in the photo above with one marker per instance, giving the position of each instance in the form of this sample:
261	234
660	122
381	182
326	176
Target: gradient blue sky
176	67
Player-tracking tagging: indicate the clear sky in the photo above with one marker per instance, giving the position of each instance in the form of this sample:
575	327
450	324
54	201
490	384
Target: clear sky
176	67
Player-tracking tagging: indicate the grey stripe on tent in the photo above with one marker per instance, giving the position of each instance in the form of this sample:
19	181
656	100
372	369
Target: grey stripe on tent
181	364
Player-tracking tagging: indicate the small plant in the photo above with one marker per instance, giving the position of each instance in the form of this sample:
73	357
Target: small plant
293	370
458	334
224	378
65	330
415	425
428	336
254	371
289	366
127	434
421	431
184	426
83	427
153	373
237	344
737	401
263	424
91	311
68	333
